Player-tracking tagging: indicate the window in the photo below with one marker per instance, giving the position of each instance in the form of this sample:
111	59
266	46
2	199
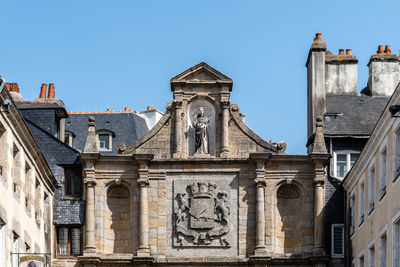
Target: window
72	182
68	138
3	253
371	190
396	169
16	171
15	249
342	162
361	205
396	242
337	240
352	213
382	176
371	256
68	240
383	250
104	140
361	261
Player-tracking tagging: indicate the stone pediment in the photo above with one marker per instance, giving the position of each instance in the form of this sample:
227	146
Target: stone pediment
201	74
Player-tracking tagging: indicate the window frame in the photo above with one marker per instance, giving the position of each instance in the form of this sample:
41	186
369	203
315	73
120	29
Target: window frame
383	233
383	170
352	205
348	154
70	136
396	154
110	134
69	241
371	193
333	254
361	202
396	241
65	196
371	246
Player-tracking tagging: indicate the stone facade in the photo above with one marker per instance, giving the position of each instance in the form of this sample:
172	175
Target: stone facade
245	202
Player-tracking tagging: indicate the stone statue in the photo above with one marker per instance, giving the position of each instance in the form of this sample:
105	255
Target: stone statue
201	122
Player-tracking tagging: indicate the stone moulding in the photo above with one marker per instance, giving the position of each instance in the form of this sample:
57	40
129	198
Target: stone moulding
164	119
245	129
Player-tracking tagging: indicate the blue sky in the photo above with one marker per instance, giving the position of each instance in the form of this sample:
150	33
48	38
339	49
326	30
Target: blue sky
116	54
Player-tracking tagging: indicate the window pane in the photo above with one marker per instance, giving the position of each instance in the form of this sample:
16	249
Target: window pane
353	158
341	165
104	140
63	240
76	241
73	181
338	240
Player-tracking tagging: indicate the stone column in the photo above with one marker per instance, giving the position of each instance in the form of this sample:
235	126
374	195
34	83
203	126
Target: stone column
143	218
319	214
90	227
143	183
260	213
225	121
178	128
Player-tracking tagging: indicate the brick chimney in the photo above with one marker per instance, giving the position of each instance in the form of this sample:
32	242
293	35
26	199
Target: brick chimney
383	72
14	91
341	73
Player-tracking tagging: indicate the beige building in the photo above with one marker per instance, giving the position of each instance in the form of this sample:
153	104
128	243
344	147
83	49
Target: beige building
201	188
372	191
26	191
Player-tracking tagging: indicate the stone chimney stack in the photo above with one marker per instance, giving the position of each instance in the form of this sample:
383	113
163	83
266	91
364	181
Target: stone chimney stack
341	73
315	83
383	72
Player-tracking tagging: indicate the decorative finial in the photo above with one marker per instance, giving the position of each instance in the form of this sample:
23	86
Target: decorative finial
91	142
318	146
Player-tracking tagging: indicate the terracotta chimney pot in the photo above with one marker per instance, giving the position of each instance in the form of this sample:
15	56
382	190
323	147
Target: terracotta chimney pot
318	36
43	91
341	52
388	49
108	110
14	87
380	49
348	52
52	92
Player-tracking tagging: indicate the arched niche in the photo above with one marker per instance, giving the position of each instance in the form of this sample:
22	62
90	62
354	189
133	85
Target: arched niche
118	231
209	111
288	222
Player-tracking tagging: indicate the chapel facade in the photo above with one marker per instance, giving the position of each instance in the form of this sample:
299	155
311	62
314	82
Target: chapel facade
201	188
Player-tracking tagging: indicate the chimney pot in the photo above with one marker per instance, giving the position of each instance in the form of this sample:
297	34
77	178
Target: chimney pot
324	44
43	91
388	49
380	49
52	92
318	36
8	86
14	87
341	52
108	110
348	52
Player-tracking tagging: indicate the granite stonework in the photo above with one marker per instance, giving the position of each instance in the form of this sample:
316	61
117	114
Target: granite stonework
244	203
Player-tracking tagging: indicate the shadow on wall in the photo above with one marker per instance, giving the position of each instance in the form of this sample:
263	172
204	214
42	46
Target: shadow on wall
118	233
289	230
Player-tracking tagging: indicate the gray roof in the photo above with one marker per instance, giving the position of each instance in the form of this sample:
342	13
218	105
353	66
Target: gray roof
126	128
352	115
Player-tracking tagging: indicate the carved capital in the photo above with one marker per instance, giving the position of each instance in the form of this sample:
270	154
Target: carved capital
260	182
319	182
168	106
143	182
225	103
178	103
89	182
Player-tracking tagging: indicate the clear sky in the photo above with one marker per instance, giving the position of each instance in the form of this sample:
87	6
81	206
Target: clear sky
116	54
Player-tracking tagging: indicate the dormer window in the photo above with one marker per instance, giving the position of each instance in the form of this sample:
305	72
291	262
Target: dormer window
104	140
68	138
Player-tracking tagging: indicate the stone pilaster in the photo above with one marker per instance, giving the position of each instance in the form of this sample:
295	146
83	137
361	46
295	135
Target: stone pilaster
143	183
319	214
178	128
225	121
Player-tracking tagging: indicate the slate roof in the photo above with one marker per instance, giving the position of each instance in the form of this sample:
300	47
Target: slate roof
352	115
126	127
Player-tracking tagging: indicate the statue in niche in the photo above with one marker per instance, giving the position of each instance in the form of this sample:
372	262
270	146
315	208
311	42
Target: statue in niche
200	123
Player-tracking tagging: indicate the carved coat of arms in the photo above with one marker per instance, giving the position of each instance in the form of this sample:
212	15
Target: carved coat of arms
201	215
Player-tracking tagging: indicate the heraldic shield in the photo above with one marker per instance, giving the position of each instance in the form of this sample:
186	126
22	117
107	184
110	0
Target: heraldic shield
201	215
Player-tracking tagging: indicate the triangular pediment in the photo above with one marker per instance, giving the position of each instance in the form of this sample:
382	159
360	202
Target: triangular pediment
201	74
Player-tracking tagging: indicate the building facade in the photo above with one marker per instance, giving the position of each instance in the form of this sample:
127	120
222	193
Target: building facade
201	188
349	116
372	189
27	188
